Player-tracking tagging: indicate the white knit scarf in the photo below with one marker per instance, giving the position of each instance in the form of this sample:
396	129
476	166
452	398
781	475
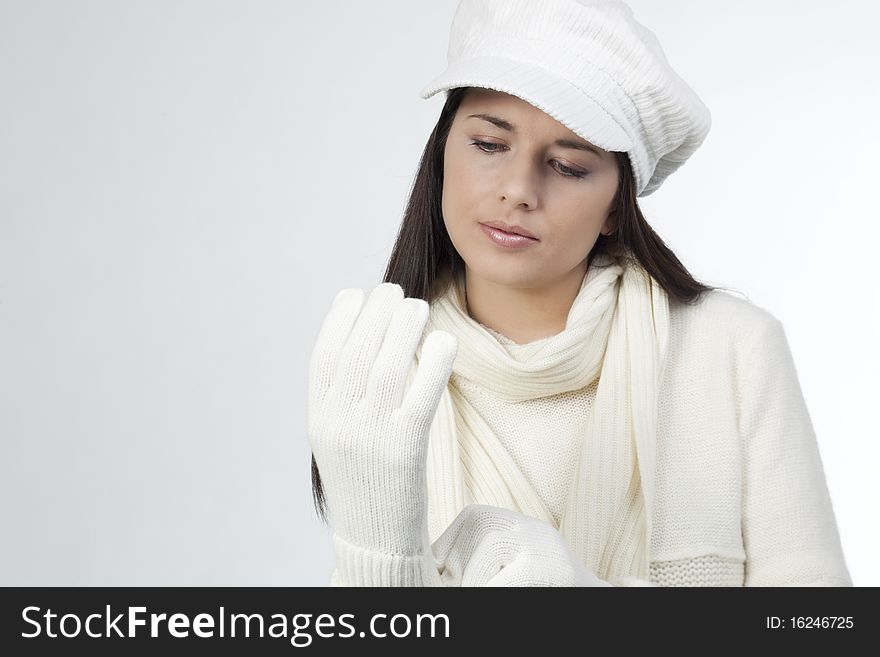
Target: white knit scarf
617	330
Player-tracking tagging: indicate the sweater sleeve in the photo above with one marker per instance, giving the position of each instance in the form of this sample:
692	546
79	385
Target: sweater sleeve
356	566
788	525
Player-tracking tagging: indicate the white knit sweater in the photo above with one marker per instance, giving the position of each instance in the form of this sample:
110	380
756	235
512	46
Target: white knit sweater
542	435
742	498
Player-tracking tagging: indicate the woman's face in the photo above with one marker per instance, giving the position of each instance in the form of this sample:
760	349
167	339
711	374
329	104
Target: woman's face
506	166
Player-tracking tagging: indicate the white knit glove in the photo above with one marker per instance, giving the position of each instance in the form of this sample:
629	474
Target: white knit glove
369	435
492	546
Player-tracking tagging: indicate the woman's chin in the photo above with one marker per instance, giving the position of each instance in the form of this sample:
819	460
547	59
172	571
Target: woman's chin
507	275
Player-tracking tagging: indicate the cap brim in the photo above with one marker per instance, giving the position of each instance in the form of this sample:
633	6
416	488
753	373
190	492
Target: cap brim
555	96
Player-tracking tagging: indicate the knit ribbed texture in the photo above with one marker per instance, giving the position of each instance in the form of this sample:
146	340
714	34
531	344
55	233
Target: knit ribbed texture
491	546
741	497
542	436
705	570
588	64
560	423
617	326
356	566
368	422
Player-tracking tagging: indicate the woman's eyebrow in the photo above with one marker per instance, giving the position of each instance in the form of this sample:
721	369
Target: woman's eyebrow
507	125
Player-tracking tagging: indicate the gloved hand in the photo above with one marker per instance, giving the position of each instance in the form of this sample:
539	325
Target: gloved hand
369	435
492	546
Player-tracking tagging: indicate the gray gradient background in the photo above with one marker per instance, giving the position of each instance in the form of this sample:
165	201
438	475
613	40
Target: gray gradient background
185	185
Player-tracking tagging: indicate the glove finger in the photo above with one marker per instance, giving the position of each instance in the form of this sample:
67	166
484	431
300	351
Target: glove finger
335	329
359	352
469	527
522	571
434	368
476	544
508	576
397	353
463	564
495	551
445	544
545	569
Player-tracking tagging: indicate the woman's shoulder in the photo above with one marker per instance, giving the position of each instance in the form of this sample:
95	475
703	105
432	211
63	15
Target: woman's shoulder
721	315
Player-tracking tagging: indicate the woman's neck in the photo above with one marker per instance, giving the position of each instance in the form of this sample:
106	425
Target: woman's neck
523	314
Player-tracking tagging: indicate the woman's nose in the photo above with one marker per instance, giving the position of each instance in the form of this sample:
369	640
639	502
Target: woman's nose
519	184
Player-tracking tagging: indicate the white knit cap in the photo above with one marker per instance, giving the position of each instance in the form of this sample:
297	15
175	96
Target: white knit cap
589	65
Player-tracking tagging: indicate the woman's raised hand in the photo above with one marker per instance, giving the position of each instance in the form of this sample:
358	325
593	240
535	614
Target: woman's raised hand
368	434
493	546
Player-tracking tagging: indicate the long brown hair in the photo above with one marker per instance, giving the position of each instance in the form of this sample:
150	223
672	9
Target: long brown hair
423	258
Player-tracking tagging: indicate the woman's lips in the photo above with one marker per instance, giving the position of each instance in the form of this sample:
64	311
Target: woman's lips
507	240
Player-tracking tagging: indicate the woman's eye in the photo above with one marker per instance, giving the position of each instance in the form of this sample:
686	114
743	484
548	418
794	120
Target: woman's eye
488	147
481	144
568	171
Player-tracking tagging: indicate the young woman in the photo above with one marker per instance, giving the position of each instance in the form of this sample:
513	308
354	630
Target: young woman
540	394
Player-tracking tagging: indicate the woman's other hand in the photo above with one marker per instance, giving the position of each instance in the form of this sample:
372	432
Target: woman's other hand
492	546
368	434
